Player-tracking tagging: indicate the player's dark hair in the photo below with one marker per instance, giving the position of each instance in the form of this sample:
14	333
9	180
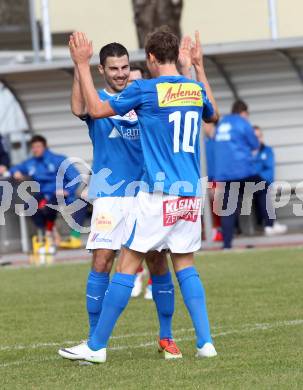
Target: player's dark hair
239	106
163	44
113	49
136	66
38	138
141	68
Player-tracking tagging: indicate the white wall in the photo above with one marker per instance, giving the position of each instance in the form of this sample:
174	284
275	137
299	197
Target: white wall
103	20
226	20
217	20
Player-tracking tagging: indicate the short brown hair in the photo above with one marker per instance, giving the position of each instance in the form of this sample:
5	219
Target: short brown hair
239	106
164	45
38	138
136	66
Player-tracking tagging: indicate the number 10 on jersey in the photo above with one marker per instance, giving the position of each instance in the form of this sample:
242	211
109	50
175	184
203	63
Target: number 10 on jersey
190	130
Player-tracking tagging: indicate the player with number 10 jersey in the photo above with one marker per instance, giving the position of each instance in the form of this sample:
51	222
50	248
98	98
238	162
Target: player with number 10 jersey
170	110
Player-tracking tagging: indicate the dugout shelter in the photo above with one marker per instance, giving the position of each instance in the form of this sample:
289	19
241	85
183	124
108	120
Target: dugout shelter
268	75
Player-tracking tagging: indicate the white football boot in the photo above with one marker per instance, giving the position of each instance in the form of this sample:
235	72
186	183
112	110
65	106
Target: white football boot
148	292
138	286
83	352
208	350
275	230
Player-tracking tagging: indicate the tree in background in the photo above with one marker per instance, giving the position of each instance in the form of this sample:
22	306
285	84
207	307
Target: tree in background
14	13
150	14
14	25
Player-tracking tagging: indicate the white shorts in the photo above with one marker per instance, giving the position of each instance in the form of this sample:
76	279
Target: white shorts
158	222
108	222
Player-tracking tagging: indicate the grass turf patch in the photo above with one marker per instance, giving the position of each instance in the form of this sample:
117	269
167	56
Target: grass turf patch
255	309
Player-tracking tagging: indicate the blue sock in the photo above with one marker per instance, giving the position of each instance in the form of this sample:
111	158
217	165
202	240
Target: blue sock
97	284
164	298
194	298
114	303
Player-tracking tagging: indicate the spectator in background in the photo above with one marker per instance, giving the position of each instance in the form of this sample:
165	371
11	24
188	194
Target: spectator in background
235	142
209	140
264	161
4	158
43	167
136	73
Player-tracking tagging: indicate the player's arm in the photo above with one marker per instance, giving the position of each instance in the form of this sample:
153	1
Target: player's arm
198	63
81	52
96	108
184	59
19	171
78	106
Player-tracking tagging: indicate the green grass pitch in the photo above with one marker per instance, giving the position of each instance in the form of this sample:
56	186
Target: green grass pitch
255	308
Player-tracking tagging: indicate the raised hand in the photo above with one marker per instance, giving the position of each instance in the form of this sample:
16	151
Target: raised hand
184	59
81	49
196	51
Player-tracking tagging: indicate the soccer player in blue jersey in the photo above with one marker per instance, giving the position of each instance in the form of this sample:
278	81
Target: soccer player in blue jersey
117	163
170	108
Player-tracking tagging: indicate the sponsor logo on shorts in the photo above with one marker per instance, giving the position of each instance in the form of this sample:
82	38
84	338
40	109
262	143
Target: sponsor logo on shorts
103	223
95	238
102	239
186	208
179	94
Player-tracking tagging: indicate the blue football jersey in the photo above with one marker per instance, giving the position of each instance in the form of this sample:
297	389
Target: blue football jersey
169	110
117	153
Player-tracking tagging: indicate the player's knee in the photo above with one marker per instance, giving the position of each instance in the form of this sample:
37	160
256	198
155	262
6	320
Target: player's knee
181	263
103	260
119	268
160	269
157	263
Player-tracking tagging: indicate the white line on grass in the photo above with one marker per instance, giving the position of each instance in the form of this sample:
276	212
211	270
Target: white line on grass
245	329
68	342
72	342
27	361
